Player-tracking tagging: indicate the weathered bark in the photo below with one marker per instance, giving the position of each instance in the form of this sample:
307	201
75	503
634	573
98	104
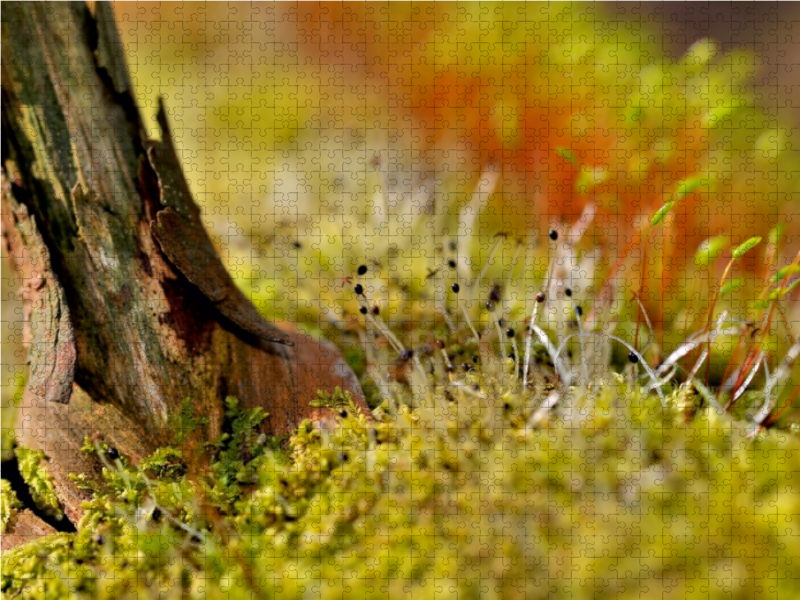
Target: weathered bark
126	299
24	527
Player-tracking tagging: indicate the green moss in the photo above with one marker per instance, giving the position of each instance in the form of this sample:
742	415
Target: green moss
608	484
56	566
39	482
236	453
9	503
185	422
337	399
468	483
164	463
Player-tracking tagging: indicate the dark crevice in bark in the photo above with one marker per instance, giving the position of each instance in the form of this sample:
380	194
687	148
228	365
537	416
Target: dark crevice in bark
125	98
188	309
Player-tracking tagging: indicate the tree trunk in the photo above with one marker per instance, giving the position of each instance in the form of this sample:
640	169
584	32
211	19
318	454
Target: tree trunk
129	310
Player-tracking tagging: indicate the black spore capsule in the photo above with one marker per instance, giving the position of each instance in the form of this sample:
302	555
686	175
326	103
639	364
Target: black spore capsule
540	297
553	235
363	310
362	270
510	332
633	357
455	287
359	289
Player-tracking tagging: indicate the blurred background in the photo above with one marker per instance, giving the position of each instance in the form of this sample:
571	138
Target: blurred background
292	118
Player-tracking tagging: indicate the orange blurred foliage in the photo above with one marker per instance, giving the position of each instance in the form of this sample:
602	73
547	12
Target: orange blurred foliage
573	104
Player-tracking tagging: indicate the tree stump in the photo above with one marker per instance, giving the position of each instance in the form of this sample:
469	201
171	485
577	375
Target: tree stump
128	308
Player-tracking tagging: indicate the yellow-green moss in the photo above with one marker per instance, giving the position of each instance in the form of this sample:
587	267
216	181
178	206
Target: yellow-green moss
185	422
612	495
9	503
337	399
35	475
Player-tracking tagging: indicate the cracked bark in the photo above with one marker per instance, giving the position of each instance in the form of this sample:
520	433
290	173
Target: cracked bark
128	308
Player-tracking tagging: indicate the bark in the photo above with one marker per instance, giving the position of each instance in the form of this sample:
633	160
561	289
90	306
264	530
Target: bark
128	307
24	527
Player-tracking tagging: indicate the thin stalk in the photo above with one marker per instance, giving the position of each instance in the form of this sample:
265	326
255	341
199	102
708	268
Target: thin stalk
652	335
466	316
774	306
723	387
739	390
500	237
534	314
584	366
499	334
780	375
771	420
711	307
633	350
514	262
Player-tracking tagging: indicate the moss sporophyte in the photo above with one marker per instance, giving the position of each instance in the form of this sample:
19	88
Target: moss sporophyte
496	402
536	432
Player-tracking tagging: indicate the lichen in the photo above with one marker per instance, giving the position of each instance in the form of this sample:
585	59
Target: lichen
35	475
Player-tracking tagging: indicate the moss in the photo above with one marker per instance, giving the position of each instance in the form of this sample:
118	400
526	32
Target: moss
469	483
236	453
336	399
185	422
611	483
164	463
56	566
9	503
35	475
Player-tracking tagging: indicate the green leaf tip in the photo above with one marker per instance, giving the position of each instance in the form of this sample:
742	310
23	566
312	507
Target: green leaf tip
784	272
662	212
742	249
690	185
709	250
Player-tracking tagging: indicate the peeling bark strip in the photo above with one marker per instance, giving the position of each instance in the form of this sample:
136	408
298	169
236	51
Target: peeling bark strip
184	240
47	330
126	293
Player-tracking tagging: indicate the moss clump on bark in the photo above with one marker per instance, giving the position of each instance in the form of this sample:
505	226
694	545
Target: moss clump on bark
9	503
35	475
